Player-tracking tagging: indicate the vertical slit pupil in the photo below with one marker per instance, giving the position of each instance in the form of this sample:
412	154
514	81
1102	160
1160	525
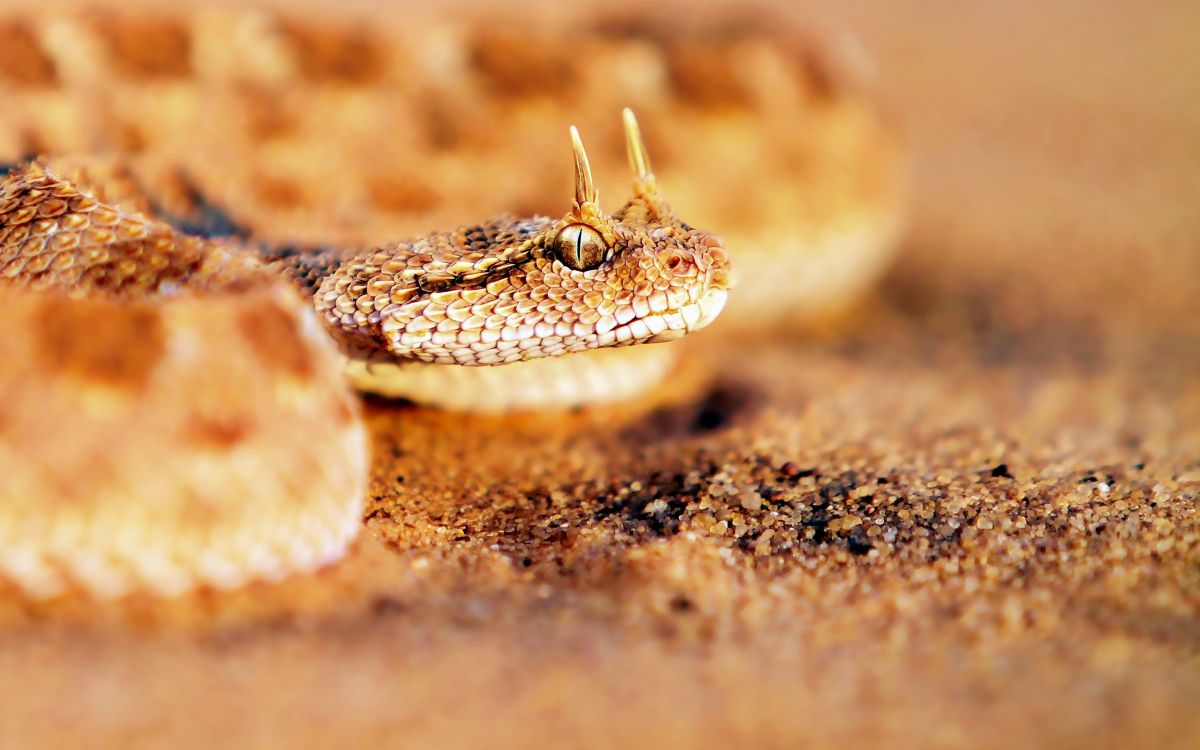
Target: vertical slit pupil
579	247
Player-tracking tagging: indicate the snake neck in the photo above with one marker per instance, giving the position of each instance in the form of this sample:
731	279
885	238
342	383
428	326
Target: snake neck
440	261
303	267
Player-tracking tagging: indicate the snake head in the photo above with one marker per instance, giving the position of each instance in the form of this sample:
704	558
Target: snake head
658	278
518	289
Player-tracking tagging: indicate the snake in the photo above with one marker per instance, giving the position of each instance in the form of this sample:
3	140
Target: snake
177	407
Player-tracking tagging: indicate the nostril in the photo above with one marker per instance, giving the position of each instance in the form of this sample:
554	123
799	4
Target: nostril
677	262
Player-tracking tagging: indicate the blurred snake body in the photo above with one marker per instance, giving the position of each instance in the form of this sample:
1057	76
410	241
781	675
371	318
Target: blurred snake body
182	310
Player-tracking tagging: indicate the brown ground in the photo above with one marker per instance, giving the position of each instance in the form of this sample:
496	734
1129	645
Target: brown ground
968	519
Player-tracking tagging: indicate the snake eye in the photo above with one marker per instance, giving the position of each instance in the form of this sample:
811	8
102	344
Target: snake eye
580	247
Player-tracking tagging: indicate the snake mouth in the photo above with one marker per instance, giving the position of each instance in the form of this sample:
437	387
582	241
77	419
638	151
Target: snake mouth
511	346
676	324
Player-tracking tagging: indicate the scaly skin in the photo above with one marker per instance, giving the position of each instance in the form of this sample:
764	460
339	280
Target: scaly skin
495	293
169	416
491	294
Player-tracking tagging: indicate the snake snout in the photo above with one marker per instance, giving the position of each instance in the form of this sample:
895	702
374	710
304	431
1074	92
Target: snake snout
719	273
711	305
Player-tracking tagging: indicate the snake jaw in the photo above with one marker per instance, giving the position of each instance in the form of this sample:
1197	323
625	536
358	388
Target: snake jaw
695	316
711	305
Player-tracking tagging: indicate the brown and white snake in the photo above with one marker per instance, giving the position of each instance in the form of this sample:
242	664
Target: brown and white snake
173	411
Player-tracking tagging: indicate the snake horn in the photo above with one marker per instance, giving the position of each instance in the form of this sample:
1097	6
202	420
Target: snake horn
585	188
635	147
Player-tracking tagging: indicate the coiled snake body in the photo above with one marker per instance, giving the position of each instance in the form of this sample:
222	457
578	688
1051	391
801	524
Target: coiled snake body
499	293
174	415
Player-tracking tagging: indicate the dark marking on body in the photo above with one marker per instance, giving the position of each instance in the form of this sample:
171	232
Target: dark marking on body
97	341
304	266
217	432
274	335
8	167
204	219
